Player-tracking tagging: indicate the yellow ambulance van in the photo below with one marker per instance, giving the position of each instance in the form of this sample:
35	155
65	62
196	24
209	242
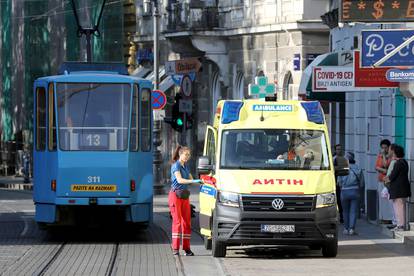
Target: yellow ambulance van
268	177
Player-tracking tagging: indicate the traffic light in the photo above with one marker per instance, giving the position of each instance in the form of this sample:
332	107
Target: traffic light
177	119
189	122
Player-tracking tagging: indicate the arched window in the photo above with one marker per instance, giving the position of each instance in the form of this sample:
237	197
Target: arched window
286	82
239	87
216	92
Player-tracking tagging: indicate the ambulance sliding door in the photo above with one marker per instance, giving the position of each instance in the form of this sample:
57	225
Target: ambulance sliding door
208	190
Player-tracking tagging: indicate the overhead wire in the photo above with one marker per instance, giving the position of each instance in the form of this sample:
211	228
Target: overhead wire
52	11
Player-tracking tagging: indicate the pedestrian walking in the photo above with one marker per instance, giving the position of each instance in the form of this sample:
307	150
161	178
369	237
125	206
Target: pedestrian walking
385	191
350	195
339	161
399	186
179	200
385	208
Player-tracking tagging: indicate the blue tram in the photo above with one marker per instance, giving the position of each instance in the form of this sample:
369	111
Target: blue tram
92	147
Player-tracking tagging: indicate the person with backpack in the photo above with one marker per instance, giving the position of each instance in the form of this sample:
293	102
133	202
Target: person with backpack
350	194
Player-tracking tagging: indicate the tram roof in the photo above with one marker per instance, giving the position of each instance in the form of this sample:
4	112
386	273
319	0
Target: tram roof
93	76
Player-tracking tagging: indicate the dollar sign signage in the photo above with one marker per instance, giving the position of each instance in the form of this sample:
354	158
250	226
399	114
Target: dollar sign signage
378	7
376	10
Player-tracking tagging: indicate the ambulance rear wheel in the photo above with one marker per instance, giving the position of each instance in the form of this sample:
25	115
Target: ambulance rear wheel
207	243
330	249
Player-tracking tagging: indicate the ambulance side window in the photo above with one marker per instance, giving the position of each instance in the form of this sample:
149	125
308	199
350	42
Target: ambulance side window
211	147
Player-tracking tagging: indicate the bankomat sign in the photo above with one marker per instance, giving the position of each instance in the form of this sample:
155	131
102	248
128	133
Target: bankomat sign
378	43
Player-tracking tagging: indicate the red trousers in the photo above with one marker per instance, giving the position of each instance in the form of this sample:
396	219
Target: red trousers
181	221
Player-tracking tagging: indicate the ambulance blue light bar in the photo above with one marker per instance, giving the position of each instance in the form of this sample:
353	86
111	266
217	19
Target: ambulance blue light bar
314	112
231	112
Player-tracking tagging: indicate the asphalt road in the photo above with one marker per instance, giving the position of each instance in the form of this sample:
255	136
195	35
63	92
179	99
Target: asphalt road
26	250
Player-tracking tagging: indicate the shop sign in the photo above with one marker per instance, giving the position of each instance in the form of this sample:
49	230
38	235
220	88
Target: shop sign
145	55
183	66
378	43
296	62
398	75
376	11
332	79
310	58
370	77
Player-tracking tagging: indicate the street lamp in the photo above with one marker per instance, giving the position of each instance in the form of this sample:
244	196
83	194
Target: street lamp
157	170
83	11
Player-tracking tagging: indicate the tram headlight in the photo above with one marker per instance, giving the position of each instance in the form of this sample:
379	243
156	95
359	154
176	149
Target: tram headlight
229	199
325	200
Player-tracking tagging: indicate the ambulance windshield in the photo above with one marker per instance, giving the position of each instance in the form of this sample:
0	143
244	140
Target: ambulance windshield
274	149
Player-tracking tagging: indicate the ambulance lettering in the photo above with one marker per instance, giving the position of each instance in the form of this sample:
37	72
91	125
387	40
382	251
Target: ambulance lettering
278	181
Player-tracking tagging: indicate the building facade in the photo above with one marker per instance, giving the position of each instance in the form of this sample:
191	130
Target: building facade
36	38
235	41
364	117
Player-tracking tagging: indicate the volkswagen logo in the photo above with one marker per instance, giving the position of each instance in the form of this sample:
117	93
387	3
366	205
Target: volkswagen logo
278	204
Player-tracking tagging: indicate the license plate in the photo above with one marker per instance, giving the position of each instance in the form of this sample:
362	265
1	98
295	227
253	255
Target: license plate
93	188
278	228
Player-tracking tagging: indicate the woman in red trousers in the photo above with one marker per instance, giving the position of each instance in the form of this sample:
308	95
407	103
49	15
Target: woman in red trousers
179	200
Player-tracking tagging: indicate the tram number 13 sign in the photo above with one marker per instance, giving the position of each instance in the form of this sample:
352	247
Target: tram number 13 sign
332	79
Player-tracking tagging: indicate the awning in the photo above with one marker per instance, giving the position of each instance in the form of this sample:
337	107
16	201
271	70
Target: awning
167	83
148	74
161	72
141	72
305	87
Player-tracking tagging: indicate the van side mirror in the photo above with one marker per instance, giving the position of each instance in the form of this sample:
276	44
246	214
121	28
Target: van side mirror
204	165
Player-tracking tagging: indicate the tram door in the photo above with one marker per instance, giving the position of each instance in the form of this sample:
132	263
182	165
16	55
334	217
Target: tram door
45	142
141	157
40	154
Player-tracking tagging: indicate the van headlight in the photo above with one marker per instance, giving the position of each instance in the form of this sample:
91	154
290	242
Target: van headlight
325	200
229	199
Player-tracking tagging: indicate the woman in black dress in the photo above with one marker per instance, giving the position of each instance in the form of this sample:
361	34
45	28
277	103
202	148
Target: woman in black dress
399	186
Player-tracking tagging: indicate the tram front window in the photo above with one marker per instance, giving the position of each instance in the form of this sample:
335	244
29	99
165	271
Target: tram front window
93	116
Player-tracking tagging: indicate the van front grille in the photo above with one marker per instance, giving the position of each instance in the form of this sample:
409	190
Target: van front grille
254	203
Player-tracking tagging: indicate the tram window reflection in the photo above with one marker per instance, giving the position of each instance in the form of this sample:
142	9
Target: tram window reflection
41	119
93	116
146	120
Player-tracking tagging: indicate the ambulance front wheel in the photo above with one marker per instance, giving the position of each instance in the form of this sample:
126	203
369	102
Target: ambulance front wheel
330	249
207	243
218	249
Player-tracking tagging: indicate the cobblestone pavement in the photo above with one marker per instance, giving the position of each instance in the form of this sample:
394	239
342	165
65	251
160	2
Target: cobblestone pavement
26	250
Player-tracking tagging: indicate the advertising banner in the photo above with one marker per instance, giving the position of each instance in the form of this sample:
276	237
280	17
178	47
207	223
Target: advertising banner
332	79
370	77
378	43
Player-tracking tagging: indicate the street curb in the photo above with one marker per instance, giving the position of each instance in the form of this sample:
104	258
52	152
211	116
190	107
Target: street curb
17	186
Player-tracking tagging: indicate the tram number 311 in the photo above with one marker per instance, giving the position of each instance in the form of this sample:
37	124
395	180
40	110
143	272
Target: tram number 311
94	179
93	139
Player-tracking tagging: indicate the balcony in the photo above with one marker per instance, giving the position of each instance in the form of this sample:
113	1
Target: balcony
184	17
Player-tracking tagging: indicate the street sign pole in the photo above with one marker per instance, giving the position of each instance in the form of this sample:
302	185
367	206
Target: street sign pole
157	127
